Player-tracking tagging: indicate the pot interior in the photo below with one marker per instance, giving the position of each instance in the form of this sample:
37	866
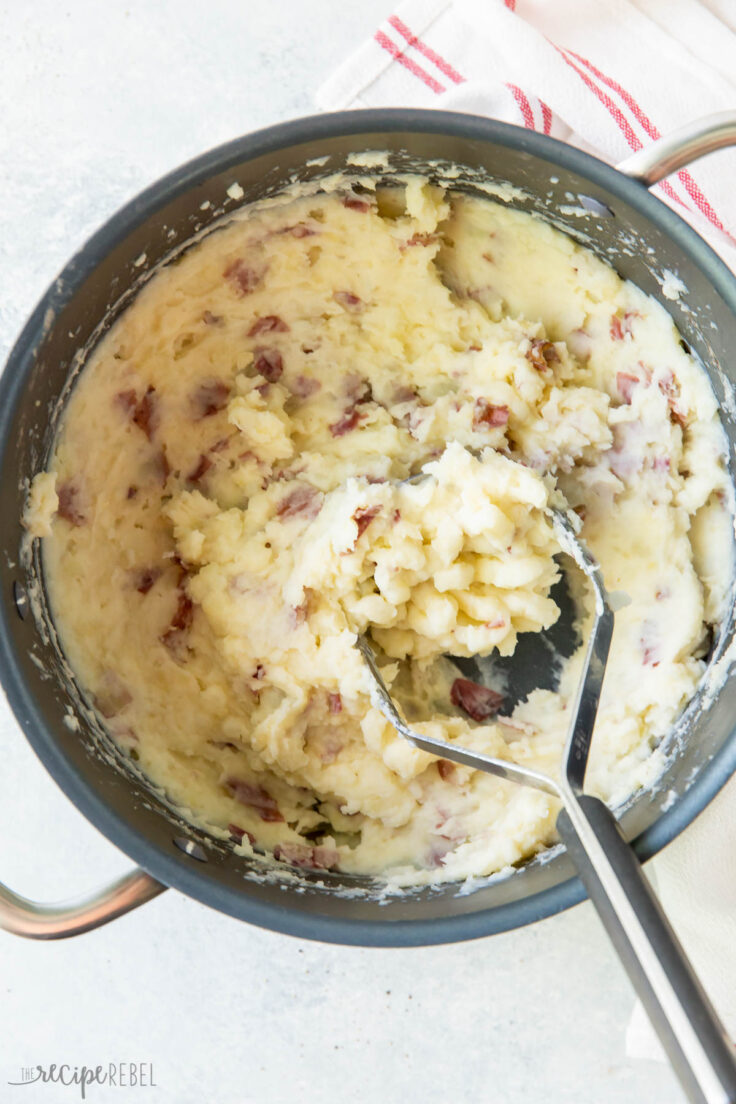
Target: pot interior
619	220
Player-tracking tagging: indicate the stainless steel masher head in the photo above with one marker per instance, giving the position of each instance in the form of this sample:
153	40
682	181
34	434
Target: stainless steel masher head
586	703
688	1027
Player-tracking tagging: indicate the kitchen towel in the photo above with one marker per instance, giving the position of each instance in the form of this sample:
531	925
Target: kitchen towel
609	76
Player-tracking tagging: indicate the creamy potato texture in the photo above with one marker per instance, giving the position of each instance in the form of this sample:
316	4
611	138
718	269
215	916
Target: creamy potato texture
229	503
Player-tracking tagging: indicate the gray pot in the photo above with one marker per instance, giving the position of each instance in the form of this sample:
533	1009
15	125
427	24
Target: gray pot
627	225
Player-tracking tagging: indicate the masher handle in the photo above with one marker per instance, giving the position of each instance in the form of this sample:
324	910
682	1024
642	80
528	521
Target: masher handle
693	1037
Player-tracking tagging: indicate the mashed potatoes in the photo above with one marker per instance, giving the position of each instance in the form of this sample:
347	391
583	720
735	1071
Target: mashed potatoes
227	507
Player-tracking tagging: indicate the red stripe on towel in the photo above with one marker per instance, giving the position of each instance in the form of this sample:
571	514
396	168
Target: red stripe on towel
398	55
524	106
690	185
427	51
614	111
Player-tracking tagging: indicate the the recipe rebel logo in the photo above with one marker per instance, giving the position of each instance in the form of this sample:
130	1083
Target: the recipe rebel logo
119	1075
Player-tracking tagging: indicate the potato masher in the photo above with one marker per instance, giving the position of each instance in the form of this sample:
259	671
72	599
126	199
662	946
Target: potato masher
686	1023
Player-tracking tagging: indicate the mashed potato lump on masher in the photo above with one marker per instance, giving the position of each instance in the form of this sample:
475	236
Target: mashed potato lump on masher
227	507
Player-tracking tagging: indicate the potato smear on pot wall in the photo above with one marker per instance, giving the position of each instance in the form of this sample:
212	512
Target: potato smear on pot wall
225	509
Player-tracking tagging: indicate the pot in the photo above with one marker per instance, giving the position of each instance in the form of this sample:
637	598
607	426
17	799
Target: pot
624	224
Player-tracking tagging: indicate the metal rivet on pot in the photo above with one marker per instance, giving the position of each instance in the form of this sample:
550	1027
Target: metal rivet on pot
20	597
189	847
595	206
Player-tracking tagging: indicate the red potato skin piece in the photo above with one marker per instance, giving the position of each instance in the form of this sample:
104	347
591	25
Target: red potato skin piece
210	397
330	750
182	570
298	230
420	238
542	355
255	797
146	414
181	622
363	516
109	711
268	363
625	384
161	466
479	702
580	344
243	277
127	401
70	507
355	203
670	388
446	770
347	299
488	416
113	697
439	851
298	615
620	327
301	502
304	386
302	231
301	854
325	858
285	475
238	834
142	412
334	702
203	466
269	323
145	577
184	613
649	643
358	391
348	422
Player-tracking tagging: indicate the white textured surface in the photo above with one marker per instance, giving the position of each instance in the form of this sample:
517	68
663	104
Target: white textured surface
99	100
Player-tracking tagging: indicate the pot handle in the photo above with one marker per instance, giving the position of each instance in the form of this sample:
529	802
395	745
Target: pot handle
680	148
36	921
689	1029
